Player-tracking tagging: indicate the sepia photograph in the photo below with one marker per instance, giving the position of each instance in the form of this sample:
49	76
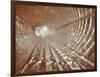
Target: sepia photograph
52	38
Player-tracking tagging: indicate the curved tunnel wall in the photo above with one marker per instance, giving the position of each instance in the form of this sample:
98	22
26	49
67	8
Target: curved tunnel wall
71	46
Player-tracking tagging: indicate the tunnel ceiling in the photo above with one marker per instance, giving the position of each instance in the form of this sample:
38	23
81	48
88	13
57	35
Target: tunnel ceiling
54	38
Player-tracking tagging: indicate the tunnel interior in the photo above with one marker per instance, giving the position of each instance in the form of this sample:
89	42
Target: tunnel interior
53	38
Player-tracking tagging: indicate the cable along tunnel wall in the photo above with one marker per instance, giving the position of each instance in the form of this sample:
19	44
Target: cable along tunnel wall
65	39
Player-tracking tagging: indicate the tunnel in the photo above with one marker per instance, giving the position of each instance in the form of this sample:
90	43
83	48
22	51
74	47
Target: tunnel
53	38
